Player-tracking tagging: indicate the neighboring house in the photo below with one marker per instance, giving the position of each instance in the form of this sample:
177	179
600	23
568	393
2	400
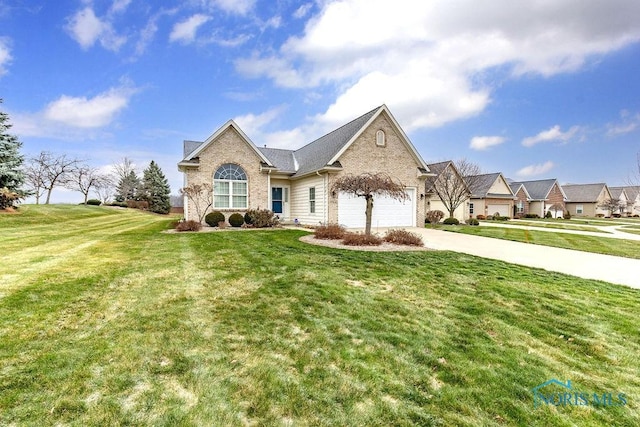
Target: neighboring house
586	199
296	184
490	195
633	193
620	194
447	188
538	197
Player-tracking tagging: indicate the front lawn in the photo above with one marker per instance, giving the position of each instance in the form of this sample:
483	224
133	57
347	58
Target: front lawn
596	244
105	320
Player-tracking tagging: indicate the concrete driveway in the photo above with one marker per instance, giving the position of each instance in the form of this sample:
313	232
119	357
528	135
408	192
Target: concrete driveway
612	269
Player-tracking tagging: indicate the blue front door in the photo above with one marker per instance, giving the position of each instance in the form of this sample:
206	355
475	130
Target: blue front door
276	200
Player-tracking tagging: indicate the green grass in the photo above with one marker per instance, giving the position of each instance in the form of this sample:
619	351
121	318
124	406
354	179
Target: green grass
105	320
560	225
596	244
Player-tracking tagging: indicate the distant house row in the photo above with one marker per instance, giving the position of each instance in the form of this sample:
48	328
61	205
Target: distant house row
491	194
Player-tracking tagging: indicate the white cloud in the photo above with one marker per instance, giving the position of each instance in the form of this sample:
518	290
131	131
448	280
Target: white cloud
87	29
485	142
552	134
628	124
425	59
5	55
185	31
302	11
238	7
535	170
69	116
119	6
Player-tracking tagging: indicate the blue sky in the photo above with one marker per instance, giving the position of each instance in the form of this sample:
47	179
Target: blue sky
537	89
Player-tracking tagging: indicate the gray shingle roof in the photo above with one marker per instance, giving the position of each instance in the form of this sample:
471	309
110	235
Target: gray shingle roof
616	192
481	184
190	147
437	169
538	190
282	159
583	192
317	154
633	191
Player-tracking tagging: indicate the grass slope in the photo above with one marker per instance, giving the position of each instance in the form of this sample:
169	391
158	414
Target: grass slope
104	320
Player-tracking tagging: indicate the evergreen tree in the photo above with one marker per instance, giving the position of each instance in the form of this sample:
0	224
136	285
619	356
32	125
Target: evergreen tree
128	187
11	174
156	190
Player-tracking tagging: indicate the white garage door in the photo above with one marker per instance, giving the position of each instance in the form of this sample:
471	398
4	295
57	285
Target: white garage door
503	210
387	212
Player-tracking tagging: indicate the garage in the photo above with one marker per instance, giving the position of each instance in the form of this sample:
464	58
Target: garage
503	210
387	212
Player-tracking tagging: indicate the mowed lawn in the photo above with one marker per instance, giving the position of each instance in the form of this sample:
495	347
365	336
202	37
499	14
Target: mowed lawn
106	320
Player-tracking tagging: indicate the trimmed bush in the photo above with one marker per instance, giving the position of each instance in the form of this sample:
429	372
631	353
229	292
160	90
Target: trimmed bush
190	225
236	220
434	217
330	232
261	218
213	218
532	216
451	221
403	237
94	202
247	218
361	239
548	215
473	221
566	215
481	217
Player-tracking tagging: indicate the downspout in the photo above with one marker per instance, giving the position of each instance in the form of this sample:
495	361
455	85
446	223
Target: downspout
185	199
269	190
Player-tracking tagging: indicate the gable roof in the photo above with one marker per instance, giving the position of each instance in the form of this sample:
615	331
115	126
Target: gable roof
439	168
539	189
516	186
587	193
633	191
196	147
326	150
617	192
481	184
283	160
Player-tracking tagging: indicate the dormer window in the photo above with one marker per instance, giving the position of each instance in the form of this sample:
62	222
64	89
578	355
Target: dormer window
381	140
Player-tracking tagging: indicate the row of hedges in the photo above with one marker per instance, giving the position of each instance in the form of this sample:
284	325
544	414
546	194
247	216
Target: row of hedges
255	218
338	232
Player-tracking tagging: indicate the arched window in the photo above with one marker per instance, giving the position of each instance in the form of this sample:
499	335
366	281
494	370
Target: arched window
230	187
380	138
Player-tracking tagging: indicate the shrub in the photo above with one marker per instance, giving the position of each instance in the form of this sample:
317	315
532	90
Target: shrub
94	202
451	221
532	215
190	225
247	218
330	232
599	215
567	215
548	215
434	217
236	220
8	198
481	217
403	237
213	218
473	221
261	218
361	239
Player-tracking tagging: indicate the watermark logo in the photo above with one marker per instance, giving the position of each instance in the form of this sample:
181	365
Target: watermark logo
556	393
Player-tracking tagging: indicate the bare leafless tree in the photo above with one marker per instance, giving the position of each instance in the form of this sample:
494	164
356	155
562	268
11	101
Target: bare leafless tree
123	169
86	178
35	178
451	183
50	170
200	198
612	205
368	185
105	188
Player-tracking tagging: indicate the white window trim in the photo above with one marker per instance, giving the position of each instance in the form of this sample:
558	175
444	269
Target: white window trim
381	138
312	200
230	196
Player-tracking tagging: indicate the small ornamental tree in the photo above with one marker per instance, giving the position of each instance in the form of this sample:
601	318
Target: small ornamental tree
368	185
200	199
155	189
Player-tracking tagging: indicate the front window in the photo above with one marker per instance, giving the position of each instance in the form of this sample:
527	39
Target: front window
230	187
380	138
579	209
520	206
470	208
312	200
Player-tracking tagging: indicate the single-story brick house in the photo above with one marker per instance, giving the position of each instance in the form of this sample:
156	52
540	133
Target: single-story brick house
538	197
633	193
586	199
621	195
490	195
296	184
